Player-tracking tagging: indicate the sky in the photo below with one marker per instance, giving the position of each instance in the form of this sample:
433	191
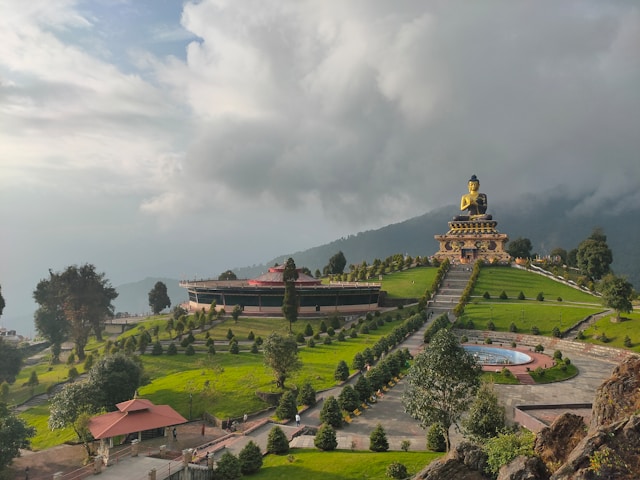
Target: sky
182	138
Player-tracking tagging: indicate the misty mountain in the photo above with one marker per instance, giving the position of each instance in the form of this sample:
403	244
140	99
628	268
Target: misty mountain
134	297
549	221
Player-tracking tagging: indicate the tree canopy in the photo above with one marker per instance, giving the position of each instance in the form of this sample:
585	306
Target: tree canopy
290	302
228	275
594	257
441	383
14	435
520	248
281	355
2	304
159	298
617	293
10	361
336	264
486	416
78	300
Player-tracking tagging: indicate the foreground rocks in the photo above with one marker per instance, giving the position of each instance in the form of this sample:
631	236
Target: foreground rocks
609	448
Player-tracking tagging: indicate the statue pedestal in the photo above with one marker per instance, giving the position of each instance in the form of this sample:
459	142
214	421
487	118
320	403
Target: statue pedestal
471	240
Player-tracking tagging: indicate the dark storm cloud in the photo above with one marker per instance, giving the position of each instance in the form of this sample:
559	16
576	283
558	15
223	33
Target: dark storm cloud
384	111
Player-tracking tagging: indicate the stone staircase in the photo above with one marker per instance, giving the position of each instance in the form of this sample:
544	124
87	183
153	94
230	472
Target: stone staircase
453	284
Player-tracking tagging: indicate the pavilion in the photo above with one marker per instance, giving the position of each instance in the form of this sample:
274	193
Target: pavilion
138	416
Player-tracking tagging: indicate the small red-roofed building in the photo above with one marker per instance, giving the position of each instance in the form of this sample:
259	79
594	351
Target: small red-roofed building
135	416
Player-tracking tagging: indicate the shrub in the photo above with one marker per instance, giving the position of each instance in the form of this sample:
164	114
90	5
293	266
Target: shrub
210	341
539	348
505	447
317	336
300	338
327	340
435	439
185	342
341	337
567	361
323	327
308	331
250	458
513	328
556	332
88	362
287	407
353	334
539	371
521	296
490	325
335	323
311	343
307	395
342	371
172	349
559	299
234	348
228	467
189	350
540	297
535	330
627	342
378	440
72	374
326	438
331	332
503	295
364	329
506	372
580	335
157	349
464	339
486	295
397	470
330	413
212	349
251	337
277	441
557	355
259	341
254	348
229	334
349	399
404	445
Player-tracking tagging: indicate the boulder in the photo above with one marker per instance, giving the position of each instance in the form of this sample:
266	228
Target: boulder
524	468
554	443
619	396
611	451
465	462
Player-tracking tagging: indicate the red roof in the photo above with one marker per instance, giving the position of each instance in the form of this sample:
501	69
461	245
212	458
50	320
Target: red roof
133	416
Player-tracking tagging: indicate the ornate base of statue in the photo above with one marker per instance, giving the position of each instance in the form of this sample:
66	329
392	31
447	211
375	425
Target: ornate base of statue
473	237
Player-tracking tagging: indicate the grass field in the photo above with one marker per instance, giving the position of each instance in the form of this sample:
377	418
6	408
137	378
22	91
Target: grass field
339	465
574	306
409	283
225	385
616	332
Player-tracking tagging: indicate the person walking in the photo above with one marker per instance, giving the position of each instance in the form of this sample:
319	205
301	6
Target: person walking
297	419
175	434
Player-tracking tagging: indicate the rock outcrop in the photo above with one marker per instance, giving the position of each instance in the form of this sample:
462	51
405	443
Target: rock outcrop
465	462
524	468
611	451
554	443
619	396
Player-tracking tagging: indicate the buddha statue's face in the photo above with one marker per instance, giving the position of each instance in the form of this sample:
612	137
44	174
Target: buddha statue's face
473	186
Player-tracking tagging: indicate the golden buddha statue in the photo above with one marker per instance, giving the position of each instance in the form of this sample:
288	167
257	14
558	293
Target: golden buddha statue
474	202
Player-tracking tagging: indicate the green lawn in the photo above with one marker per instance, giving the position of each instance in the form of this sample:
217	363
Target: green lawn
410	283
234	379
513	281
616	331
38	417
574	306
339	465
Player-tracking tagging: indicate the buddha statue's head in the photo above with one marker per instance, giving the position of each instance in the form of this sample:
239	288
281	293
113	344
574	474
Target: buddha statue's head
474	184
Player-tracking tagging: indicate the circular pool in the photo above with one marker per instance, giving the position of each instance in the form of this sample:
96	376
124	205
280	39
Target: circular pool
497	356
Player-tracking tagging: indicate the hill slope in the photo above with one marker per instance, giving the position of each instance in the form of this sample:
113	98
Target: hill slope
547	221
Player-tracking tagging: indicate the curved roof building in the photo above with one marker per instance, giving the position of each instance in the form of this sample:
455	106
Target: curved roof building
265	294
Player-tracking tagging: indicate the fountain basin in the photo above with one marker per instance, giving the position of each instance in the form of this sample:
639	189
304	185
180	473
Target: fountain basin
486	355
